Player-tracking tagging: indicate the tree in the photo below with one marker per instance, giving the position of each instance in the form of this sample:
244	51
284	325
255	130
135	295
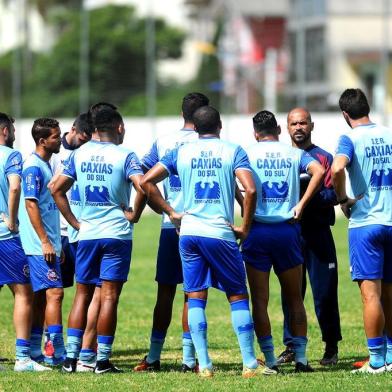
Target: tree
117	62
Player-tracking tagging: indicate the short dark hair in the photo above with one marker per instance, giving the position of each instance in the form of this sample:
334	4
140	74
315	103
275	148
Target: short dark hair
265	122
6	121
97	107
191	102
206	119
353	101
42	128
108	120
83	124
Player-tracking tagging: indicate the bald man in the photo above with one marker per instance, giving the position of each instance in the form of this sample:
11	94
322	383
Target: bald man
318	246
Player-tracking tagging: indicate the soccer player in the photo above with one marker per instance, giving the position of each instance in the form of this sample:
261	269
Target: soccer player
79	134
275	239
40	235
318	245
14	269
207	169
169	270
104	172
366	152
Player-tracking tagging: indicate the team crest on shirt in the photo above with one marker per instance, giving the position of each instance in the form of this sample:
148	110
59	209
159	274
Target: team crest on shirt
52	275
381	179
175	183
275	192
206	192
26	271
97	195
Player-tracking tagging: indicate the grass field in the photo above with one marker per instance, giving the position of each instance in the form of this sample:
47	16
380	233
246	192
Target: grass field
134	324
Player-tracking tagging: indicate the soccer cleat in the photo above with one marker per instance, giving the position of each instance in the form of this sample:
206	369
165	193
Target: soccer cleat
368	368
388	367
301	368
84	367
286	356
29	365
359	364
54	361
185	368
206	373
329	358
144	366
69	365
261	370
106	367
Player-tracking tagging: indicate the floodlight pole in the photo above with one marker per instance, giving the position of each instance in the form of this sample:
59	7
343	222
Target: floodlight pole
384	64
84	58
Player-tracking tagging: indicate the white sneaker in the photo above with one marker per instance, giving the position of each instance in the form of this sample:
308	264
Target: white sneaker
84	367
28	365
368	368
388	367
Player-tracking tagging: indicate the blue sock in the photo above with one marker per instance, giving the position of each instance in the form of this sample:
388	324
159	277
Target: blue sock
198	327
36	342
388	357
22	349
188	350
243	328
56	336
87	355
267	347
156	344
299	348
376	351
104	347
74	342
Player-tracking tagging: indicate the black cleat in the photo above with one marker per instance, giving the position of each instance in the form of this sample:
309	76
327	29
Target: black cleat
185	368
287	356
330	357
106	367
69	365
301	368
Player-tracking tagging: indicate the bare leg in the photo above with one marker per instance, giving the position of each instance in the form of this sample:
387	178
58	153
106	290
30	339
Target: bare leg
90	333
23	310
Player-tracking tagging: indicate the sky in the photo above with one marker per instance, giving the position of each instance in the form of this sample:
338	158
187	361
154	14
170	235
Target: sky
172	10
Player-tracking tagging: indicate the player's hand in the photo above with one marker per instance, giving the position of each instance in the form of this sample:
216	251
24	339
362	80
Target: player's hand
129	214
12	226
239	232
48	252
298	211
346	207
175	218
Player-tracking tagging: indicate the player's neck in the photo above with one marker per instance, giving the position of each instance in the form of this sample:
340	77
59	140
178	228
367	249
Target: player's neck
302	146
267	138
188	125
43	154
360	121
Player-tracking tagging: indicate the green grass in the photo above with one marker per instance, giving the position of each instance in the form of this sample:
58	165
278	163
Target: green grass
134	324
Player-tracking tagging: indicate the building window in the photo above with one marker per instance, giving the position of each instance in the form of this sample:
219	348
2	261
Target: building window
315	54
308	7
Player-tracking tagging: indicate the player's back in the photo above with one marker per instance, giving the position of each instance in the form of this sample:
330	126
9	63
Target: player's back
370	173
10	163
276	170
102	173
172	184
206	169
37	174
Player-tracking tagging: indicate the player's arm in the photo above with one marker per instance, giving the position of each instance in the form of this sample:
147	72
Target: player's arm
59	191
133	215
34	214
13	203
245	177
344	155
317	173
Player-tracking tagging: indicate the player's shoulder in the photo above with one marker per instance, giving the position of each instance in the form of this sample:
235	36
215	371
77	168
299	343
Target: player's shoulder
319	151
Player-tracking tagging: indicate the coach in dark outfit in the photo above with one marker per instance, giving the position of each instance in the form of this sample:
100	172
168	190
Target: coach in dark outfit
318	245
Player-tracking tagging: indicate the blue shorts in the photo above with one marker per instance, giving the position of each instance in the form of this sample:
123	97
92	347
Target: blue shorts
44	275
210	262
169	268
371	252
14	267
68	267
103	259
275	245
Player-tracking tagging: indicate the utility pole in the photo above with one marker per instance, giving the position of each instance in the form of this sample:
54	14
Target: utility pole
84	58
